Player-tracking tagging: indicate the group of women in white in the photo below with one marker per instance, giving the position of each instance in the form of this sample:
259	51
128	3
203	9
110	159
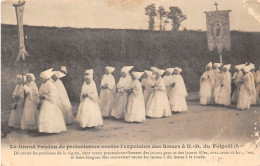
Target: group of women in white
49	109
215	85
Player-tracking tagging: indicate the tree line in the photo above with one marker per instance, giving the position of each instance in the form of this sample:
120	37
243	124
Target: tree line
174	14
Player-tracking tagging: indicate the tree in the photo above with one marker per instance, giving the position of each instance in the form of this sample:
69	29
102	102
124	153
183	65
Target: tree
165	22
150	11
175	14
161	13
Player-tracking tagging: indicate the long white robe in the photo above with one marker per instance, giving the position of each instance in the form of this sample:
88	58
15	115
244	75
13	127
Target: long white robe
257	80
158	105
107	96
206	88
135	106
215	81
253	95
64	102
237	80
89	114
178	95
16	114
244	96
224	89
119	106
147	84
50	117
168	81
30	112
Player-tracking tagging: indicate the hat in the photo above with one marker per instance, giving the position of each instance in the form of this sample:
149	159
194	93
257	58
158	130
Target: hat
179	70
149	73
247	68
154	69
89	72
64	69
160	71
227	66
209	65
110	69
31	75
59	74
126	69
217	65
252	66
90	77
239	67
138	75
47	74
19	76
170	70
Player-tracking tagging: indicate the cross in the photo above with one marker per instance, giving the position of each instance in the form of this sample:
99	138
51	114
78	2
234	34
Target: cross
216	4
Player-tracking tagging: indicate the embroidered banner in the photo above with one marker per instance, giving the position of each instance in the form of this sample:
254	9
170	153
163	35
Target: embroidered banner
19	8
218	30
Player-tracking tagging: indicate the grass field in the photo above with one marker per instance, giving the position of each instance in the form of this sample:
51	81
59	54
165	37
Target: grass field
81	49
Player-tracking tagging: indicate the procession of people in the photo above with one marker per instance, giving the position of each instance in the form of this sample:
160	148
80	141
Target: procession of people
216	82
154	93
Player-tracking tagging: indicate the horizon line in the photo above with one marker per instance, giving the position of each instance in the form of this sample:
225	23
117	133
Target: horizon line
182	30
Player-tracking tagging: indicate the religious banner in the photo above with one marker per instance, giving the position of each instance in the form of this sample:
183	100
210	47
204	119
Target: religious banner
19	8
218	30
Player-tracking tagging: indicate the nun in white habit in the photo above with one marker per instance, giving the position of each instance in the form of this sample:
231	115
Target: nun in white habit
168	80
215	78
178	92
65	104
158	105
135	111
17	108
107	92
224	87
237	80
30	114
119	107
206	86
89	114
50	117
147	83
245	92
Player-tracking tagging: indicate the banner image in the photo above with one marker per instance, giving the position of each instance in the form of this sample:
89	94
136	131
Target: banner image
218	30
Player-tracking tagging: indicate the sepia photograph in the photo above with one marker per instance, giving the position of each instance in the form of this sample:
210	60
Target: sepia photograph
130	82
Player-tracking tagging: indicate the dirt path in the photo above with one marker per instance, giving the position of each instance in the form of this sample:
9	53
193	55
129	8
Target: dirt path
200	123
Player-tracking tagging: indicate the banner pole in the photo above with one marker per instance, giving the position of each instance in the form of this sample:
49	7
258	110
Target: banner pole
220	57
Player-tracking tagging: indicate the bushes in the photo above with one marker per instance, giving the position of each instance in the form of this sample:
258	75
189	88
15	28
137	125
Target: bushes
81	49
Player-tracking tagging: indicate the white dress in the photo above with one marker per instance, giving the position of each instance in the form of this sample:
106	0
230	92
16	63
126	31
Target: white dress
215	82
206	89
135	106
237	80
158	105
168	81
224	89
30	112
253	95
147	84
244	96
50	117
107	96
65	104
89	114
257	80
119	106
178	95
16	114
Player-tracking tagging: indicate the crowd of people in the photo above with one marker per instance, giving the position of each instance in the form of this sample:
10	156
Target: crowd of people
216	85
49	110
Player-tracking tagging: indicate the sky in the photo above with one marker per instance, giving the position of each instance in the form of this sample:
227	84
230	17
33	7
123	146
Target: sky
128	14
